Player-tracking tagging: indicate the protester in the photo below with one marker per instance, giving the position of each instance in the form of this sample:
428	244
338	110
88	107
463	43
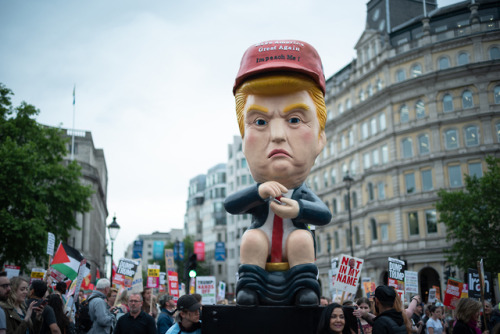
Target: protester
166	315
188	319
364	307
38	290
122	301
63	323
135	321
111	297
4	293
388	320
17	315
398	306
492	317
60	290
147	297
467	314
434	324
102	318
416	319
332	320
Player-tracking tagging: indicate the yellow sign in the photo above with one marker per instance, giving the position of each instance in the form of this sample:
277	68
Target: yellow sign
153	271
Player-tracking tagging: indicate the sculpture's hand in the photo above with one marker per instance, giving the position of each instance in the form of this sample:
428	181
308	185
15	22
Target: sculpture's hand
289	208
271	189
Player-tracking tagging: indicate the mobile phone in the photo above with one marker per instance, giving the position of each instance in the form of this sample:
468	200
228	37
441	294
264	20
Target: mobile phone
41	302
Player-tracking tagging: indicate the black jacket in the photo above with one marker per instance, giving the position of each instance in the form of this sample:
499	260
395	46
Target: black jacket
389	322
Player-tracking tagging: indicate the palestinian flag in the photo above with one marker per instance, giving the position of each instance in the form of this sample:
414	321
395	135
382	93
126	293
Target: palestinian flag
67	261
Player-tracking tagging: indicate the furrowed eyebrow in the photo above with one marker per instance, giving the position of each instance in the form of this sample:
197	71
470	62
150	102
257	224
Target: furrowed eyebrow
295	106
256	107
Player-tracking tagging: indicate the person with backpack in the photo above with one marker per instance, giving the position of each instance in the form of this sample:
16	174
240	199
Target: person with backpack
101	317
388	320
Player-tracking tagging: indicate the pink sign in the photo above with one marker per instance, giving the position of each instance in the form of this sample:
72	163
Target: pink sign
199	250
173	284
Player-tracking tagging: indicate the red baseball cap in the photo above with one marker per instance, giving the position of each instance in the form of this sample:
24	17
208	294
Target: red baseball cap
281	56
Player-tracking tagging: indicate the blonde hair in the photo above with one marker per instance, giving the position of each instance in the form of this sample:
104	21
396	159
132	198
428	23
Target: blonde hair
466	309
15	283
279	84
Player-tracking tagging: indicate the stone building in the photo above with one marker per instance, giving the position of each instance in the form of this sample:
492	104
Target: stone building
417	109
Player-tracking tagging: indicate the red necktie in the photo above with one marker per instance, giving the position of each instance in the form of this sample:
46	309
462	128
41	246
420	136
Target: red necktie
277	239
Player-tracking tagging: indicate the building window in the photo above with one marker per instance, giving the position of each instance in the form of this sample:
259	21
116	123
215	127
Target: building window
455	176
430	221
379	85
334	206
371	196
344	169
366	160
381	190
451	139
407	148
351	137
381	121
413	223
343	142
476	169
494	53
447	103
357	238
416	70
496	94
443	63
375	157
384	232
427	180
348	237
352	169
348	104
400	75
361	96
336	239
373	126
354	199
410	183
385	154
404	114
340	107
463	58
373	225
332	176
315	183
420	109
498	132
364	130
467	101
471	136
325	179
423	144
318	244
369	89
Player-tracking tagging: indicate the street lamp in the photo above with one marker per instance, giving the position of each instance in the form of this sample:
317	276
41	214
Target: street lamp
348	182
113	229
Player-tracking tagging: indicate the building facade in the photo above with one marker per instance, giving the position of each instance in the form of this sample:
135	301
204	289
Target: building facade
417	109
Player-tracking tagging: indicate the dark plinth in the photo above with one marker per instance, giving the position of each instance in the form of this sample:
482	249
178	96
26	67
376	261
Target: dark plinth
226	319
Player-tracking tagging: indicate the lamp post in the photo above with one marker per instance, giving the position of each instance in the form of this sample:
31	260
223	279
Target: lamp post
113	229
348	182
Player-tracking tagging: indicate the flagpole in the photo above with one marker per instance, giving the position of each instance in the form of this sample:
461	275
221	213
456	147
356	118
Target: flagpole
73	130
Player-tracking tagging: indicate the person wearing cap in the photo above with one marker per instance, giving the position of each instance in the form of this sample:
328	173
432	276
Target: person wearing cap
166	316
388	320
188	318
136	320
279	94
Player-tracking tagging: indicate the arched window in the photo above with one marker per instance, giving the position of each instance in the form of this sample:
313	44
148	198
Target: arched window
420	109
371	196
467	101
447	103
451	139
463	58
496	94
373	225
404	114
471	134
416	70
423	144
400	75
407	148
494	53
443	63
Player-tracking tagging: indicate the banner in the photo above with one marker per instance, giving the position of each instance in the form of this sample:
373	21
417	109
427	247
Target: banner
348	274
12	271
411	282
222	291
205	286
179	251
220	251
137	286
199	250
169	260
452	293
153	276
37	274
396	273
173	284
51	242
137	249
158	247
475	286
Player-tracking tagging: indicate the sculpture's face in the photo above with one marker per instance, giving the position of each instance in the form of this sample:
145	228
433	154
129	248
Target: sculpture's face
282	137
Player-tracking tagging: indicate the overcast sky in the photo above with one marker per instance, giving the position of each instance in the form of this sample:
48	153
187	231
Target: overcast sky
154	82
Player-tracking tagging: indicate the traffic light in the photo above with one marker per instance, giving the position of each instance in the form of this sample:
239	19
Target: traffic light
192	264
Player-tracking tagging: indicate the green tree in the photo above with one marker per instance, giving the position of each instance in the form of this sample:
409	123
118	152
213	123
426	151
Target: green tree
472	219
39	191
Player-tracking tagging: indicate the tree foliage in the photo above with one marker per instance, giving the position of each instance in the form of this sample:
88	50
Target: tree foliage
39	191
472	219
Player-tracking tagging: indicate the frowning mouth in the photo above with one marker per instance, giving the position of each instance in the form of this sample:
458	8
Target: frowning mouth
278	153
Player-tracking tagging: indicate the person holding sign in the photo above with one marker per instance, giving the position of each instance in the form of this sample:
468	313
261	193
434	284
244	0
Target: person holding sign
388	320
280	106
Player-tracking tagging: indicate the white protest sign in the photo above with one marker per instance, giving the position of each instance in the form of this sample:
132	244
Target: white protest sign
222	291
411	281
432	296
349	273
51	241
205	286
137	281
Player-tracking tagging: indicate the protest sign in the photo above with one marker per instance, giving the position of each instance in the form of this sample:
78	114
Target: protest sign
348	274
411	281
401	294
475	284
169	260
465	291
37	274
369	288
396	273
199	250
173	284
11	270
222	291
438	292
452	293
432	296
153	280
127	267
205	286
137	281
51	241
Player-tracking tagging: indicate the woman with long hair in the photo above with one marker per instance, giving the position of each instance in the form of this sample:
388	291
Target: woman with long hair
17	315
467	314
55	301
333	320
365	307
